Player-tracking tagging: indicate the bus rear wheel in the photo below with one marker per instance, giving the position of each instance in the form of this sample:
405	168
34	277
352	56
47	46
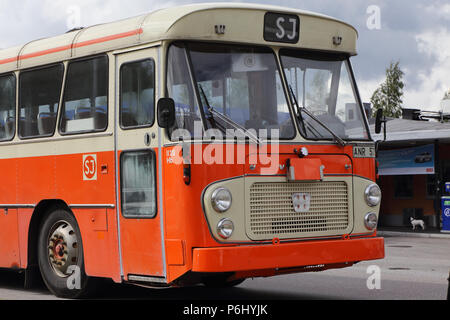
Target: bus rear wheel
60	255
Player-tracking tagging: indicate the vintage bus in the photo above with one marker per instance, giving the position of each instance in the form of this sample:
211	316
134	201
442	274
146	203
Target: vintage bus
202	144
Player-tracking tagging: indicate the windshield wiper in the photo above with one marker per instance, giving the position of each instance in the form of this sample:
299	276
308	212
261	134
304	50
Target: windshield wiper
228	120
299	114
338	139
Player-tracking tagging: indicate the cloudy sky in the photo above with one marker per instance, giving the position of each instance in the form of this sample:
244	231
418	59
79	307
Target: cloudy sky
414	32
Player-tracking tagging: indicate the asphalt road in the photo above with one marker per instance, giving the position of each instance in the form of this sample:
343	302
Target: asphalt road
414	269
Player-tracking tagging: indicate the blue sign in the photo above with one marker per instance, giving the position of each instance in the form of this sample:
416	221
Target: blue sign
447	187
445	206
407	161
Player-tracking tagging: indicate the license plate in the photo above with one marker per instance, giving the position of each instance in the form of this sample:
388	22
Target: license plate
301	202
363	152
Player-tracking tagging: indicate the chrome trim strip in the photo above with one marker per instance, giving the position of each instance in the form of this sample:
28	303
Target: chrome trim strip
147	279
72	206
54	139
160	179
116	161
17	206
92	206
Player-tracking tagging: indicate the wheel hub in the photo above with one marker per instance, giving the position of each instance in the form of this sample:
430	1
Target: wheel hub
62	248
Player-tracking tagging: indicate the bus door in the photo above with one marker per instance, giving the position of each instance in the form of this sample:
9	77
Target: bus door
137	150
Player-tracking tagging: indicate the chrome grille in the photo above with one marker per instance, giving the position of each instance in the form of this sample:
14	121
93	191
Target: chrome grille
272	211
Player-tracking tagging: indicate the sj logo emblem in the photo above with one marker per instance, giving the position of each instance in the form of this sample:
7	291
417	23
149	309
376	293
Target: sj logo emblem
89	167
301	202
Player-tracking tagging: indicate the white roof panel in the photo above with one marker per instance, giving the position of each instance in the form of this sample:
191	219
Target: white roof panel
244	23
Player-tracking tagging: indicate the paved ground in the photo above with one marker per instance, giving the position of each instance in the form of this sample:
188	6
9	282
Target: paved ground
414	269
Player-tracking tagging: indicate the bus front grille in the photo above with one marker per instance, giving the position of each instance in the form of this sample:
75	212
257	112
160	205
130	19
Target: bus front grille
272	214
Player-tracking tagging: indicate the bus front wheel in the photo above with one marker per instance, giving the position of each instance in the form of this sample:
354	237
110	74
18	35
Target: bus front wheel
60	255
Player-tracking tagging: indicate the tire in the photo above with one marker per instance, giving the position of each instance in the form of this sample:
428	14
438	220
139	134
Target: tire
60	255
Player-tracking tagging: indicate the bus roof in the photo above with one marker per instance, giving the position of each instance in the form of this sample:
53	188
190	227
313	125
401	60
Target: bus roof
244	23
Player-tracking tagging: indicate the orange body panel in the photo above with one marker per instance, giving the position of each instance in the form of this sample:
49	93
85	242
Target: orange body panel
9	233
9	239
98	231
175	252
287	255
184	217
23	221
31	180
141	243
188	244
305	169
141	246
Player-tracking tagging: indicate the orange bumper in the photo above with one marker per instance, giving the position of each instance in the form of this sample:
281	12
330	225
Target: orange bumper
286	255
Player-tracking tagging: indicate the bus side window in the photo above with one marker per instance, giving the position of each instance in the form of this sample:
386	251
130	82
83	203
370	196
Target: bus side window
39	92
7	107
137	94
85	102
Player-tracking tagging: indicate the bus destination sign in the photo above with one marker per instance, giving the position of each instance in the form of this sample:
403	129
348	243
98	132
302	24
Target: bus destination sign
280	27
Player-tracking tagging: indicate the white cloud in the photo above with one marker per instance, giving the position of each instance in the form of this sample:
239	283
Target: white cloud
368	87
435	45
439	10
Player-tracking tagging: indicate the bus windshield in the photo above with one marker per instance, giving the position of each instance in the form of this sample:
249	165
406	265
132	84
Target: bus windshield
322	86
239	87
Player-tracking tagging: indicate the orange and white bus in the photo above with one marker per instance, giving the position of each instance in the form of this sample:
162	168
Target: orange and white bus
200	144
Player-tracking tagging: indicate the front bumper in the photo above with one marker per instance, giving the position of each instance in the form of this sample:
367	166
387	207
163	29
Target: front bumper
286	255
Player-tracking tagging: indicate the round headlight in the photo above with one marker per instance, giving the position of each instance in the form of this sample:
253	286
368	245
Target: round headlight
371	221
221	199
225	228
373	195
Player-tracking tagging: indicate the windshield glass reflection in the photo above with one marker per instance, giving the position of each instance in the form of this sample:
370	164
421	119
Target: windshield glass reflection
322	84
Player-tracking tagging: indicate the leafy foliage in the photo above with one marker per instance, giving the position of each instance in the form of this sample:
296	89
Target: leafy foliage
389	95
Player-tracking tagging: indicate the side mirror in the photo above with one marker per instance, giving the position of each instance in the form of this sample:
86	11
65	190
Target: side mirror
166	112
378	121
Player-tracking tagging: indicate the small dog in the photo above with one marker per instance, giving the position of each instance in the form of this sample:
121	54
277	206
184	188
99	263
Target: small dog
417	222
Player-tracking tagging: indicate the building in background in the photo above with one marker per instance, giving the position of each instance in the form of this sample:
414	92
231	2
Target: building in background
413	166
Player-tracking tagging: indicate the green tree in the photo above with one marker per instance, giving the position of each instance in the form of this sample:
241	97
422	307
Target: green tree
389	95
